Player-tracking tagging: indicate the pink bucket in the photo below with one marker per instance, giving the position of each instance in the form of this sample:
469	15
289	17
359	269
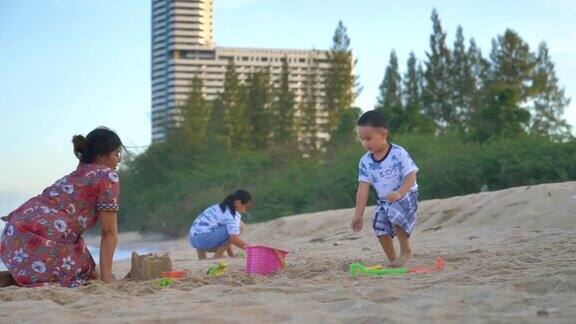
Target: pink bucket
264	260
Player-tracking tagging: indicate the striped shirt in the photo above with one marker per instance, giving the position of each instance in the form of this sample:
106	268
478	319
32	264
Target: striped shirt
213	217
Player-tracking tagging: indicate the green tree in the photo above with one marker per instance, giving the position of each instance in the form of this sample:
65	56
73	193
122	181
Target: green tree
414	121
437	92
308	123
549	99
512	64
284	112
340	82
463	81
480	68
502	115
345	130
233	99
508	88
196	112
389	101
217	133
259	101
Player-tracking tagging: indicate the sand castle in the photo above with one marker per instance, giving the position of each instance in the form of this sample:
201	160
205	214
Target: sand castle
149	266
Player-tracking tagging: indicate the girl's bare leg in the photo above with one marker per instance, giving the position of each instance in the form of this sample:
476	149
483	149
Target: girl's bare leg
220	251
201	254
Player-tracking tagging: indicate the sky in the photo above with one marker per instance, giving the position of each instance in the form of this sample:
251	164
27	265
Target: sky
68	66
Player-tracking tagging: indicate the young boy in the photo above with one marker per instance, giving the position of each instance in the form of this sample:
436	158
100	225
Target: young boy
390	170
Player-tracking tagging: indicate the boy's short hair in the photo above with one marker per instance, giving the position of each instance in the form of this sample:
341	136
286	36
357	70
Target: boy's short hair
372	118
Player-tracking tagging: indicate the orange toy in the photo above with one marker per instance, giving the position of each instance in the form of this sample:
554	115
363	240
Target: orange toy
173	274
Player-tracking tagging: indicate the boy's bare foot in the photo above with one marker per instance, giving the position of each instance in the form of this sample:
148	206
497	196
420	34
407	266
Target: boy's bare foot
402	260
391	263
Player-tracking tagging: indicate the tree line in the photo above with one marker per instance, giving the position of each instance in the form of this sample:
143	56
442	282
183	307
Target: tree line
513	92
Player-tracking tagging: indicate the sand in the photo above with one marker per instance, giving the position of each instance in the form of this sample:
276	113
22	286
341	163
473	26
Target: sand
510	258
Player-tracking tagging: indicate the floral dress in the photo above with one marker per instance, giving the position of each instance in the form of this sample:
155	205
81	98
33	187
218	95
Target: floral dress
42	240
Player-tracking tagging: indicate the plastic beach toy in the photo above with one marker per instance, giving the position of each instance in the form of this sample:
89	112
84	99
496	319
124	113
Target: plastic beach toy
217	270
264	260
173	274
439	266
375	267
359	268
164	282
378	270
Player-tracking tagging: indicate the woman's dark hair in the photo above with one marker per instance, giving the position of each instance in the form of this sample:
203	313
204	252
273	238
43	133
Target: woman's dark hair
98	142
228	202
372	118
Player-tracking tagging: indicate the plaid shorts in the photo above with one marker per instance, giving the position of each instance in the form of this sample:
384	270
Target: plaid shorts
400	213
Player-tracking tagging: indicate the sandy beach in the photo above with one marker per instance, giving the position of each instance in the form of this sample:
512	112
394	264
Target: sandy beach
510	258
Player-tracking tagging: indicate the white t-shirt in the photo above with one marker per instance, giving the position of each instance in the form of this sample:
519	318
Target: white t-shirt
213	217
388	174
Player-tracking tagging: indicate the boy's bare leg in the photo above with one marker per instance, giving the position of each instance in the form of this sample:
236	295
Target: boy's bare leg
201	254
405	250
219	253
6	279
388	247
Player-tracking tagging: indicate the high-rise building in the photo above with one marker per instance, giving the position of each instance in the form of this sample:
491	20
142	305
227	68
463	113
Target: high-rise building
183	48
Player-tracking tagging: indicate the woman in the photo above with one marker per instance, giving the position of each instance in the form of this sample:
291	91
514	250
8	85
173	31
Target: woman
42	239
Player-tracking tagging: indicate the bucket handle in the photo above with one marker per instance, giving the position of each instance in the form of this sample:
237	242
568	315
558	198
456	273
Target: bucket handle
280	256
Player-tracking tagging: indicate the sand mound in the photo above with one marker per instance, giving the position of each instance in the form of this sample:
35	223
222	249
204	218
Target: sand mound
509	255
531	207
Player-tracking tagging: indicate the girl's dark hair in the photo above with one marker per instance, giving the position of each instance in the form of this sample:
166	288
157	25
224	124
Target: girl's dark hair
98	142
228	202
